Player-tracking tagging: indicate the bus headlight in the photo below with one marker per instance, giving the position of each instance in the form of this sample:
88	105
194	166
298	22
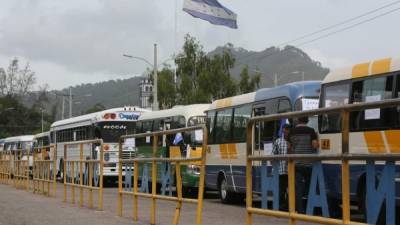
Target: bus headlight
194	169
106	156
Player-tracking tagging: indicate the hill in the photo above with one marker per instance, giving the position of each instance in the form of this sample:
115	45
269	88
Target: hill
288	64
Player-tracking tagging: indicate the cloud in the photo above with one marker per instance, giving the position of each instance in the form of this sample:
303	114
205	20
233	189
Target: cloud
87	39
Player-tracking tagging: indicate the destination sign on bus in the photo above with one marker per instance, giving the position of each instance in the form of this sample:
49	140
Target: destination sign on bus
128	116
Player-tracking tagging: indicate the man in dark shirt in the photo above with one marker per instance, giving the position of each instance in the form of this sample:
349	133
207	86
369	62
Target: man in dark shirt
302	140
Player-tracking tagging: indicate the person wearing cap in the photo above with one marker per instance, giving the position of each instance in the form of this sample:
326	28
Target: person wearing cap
280	147
302	140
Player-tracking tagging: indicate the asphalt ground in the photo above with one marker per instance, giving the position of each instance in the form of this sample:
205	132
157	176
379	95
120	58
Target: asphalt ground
19	207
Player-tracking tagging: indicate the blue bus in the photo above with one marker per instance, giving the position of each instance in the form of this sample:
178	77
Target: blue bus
226	122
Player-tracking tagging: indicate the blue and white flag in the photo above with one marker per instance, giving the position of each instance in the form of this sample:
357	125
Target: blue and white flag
178	138
211	11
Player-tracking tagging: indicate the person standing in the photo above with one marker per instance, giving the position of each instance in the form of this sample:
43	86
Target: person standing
302	140
280	147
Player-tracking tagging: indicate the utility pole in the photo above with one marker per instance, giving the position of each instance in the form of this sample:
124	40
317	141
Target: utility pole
70	102
42	119
63	107
155	98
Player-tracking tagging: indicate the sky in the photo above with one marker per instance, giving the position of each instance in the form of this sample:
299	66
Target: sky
72	42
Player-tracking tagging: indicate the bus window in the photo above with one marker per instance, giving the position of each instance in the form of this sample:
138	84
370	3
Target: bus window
240	118
223	124
333	95
196	120
210	126
370	90
265	131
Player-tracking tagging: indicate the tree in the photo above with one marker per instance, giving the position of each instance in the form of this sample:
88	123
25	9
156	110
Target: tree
16	81
203	78
249	84
166	88
95	108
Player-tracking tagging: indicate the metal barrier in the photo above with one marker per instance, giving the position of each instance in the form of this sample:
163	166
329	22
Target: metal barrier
132	169
5	174
44	168
84	173
21	168
344	157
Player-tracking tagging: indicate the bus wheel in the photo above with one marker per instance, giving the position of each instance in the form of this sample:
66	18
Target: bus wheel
225	195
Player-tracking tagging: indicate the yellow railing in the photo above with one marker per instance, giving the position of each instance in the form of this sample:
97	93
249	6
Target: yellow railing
44	170
21	168
84	170
344	157
5	174
178	162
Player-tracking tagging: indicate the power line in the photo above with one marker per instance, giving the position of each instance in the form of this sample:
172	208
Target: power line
332	33
349	27
331	27
339	24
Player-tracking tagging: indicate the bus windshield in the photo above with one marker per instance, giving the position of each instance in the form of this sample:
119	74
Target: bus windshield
112	131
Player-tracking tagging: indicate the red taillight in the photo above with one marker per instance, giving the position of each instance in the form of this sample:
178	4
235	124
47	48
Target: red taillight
113	115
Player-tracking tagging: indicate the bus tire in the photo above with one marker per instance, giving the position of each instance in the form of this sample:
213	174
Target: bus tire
225	195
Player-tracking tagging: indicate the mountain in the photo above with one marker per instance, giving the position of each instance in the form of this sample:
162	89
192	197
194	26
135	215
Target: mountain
286	65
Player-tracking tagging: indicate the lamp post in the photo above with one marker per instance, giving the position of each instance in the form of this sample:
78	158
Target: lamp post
155	78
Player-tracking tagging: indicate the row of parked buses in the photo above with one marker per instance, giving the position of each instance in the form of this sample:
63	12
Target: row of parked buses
371	131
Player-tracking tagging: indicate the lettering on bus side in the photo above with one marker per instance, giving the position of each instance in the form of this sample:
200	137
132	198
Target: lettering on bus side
166	181
381	191
128	116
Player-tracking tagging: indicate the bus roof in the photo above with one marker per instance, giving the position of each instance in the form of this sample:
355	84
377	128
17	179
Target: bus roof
19	138
375	67
187	111
292	90
44	134
91	118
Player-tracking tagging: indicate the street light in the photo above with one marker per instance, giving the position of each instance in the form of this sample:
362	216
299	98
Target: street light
154	65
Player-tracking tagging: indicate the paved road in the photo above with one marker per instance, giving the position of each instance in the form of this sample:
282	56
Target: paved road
18	207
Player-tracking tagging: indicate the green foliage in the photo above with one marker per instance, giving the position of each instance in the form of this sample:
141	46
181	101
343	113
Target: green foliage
17	119
95	108
203	78
166	89
249	83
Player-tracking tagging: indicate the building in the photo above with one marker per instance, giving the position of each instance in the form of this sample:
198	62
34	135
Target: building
146	92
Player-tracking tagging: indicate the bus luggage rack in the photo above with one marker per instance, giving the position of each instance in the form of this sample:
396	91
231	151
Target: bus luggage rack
21	168
131	168
43	171
5	174
84	173
388	173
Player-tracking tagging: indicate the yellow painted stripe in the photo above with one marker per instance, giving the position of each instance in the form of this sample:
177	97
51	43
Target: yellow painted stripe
381	66
232	151
223	150
374	142
393	140
174	152
360	70
226	102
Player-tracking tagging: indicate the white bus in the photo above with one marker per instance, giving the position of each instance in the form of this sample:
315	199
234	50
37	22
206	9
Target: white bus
19	144
108	125
371	131
174	118
1	145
